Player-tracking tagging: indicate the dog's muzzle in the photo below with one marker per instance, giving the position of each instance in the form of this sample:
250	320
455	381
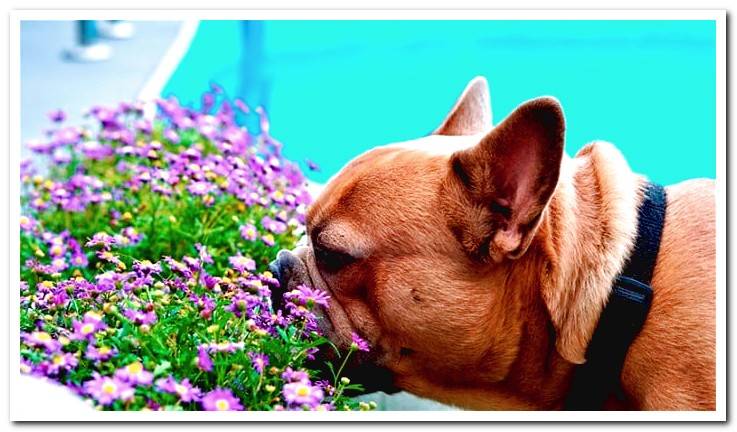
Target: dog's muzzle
291	272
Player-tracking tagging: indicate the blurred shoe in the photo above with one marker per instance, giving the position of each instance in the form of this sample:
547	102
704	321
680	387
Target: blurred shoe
115	29
89	53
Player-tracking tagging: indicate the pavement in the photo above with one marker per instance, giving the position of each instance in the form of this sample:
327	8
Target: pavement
50	82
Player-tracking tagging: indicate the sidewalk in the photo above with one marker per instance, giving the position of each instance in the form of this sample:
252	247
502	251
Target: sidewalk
50	82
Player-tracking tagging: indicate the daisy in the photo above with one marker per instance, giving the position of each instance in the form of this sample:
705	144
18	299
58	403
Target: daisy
221	400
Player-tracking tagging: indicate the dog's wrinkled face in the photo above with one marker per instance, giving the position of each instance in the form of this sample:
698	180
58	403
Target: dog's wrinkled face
416	242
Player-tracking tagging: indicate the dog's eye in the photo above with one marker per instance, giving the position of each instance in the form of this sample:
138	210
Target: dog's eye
332	260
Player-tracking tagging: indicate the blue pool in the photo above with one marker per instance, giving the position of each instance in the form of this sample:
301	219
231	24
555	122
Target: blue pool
336	88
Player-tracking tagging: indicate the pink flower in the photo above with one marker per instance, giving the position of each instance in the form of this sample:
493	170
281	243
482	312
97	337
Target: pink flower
249	232
89	327
358	343
221	400
302	394
185	390
134	373
107	390
242	263
204	362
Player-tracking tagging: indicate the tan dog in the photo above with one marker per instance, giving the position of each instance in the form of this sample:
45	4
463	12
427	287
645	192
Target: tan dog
477	261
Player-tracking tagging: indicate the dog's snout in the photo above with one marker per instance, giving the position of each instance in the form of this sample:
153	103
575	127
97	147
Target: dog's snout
275	270
284	267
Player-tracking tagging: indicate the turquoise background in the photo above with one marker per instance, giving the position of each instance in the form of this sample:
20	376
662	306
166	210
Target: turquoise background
334	89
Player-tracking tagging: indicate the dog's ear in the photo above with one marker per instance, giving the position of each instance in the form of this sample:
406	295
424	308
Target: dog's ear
471	113
502	185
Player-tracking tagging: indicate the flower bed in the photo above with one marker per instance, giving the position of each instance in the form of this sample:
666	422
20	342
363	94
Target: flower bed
144	252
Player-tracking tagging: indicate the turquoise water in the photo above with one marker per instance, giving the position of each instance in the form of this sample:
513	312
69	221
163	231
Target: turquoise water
334	89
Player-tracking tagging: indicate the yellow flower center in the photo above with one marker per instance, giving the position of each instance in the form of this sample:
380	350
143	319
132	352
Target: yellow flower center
135	368
88	328
180	389
109	387
222	405
58	360
104	350
303	391
42	336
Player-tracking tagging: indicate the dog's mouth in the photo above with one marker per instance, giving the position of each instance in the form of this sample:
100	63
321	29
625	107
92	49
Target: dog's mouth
291	271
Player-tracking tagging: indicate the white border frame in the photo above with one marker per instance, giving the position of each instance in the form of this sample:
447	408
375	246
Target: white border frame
26	411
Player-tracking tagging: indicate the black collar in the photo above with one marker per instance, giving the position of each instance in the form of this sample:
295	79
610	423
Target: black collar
624	314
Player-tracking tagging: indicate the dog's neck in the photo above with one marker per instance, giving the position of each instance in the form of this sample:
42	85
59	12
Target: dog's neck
583	242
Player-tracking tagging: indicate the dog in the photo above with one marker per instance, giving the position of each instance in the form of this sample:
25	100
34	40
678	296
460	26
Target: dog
477	261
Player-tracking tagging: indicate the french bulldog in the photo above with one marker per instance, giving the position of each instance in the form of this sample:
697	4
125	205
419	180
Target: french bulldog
477	261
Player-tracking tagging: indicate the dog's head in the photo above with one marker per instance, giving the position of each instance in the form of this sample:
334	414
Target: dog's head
425	246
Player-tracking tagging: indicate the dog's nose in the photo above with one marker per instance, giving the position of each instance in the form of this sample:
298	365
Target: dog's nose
281	268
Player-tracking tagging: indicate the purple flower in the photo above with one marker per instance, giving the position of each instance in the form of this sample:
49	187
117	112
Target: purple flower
79	260
259	361
178	267
61	361
102	353
249	232
27	223
139	317
57	116
134	373
221	400
312	165
101	239
106	390
243	302
272	225
146	267
87	328
268	240
290	375
43	339
302	394
96	151
205	257
204	303
28	368
185	390
132	235
203	360
308	297
171	135
357	343
242	263
200	188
